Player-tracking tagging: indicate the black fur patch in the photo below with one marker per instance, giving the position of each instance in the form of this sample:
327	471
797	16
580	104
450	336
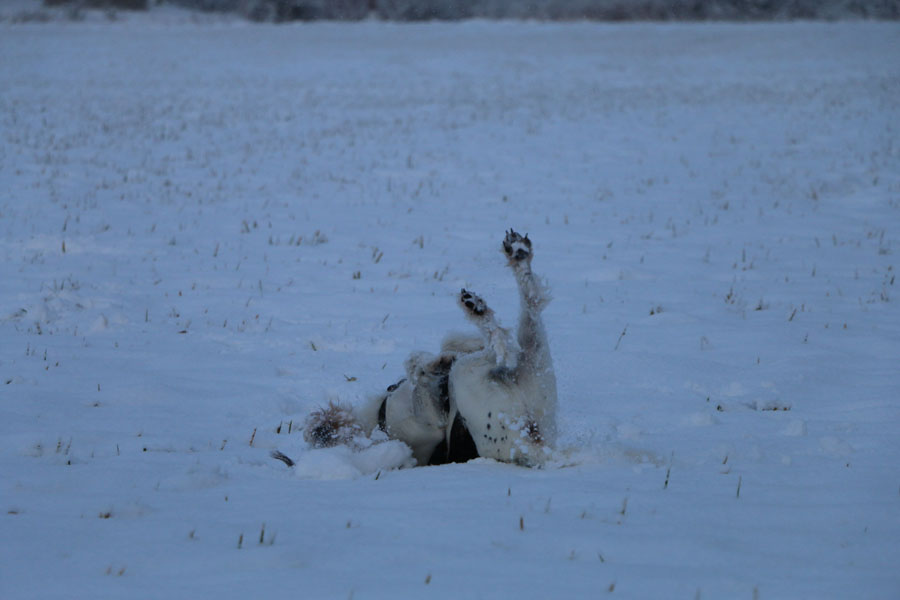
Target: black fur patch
393	387
439	456
445	395
382	413
462	446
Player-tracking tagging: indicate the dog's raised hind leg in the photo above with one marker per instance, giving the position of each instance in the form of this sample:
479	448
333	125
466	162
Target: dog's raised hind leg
533	297
534	369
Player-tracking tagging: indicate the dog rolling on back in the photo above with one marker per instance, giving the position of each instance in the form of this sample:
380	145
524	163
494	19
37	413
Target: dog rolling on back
491	395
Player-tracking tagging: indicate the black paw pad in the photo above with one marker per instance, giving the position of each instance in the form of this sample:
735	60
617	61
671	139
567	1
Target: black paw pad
473	303
516	247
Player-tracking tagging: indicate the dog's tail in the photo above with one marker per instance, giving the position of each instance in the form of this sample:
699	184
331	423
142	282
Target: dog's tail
330	426
282	457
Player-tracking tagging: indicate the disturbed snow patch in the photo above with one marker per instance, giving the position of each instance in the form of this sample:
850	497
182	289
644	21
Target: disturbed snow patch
364	457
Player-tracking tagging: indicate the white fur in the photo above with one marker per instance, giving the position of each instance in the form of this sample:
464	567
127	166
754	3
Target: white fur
506	394
406	421
499	413
502	388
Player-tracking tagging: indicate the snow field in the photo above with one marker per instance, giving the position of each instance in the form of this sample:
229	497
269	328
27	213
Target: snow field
207	231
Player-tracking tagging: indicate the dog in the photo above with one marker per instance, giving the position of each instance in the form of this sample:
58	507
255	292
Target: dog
491	395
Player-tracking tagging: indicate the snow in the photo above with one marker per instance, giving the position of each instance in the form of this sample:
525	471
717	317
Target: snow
208	230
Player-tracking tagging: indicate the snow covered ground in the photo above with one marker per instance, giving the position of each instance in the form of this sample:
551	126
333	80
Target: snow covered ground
208	230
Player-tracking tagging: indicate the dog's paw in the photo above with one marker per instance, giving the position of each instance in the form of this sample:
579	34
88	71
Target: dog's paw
472	303
517	248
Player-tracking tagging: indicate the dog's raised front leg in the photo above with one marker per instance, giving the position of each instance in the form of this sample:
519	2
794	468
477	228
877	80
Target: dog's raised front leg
496	338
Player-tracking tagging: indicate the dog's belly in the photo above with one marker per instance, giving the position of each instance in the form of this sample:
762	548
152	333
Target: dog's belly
498	411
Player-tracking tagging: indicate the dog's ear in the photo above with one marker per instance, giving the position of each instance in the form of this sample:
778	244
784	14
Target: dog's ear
441	365
415	365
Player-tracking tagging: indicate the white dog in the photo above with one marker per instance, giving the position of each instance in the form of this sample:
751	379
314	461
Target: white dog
490	395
